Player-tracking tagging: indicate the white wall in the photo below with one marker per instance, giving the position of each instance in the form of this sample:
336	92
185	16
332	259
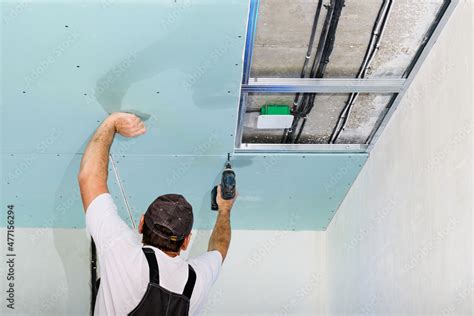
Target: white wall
266	272
401	242
51	272
269	273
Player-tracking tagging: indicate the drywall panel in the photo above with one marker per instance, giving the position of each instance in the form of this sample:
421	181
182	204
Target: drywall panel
274	191
44	190
401	243
65	65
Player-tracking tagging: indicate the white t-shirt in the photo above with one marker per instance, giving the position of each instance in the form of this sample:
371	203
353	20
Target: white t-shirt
124	269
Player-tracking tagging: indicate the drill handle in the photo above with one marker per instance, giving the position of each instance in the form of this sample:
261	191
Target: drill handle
214	205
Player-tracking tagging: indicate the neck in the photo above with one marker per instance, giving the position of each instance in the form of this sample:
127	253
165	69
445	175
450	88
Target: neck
171	253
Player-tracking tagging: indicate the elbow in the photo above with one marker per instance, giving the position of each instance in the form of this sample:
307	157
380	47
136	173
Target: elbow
89	179
83	177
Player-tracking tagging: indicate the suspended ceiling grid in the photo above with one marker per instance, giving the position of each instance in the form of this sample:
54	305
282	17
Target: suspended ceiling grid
179	62
282	33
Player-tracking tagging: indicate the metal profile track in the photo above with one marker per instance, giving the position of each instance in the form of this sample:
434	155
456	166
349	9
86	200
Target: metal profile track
307	85
249	43
250	39
249	148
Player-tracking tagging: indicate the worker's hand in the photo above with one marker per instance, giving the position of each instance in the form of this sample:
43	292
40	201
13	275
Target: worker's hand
128	125
224	205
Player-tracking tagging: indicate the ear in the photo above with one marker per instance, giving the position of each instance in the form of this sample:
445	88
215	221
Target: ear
140	225
185	244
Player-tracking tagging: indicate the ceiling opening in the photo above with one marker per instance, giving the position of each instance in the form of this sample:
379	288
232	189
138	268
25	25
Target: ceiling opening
323	75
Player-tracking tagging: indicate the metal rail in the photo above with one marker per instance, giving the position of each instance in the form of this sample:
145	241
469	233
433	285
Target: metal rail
250	38
309	85
250	148
249	43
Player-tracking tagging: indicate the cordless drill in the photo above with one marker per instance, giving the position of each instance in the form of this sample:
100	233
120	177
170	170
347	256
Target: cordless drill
227	185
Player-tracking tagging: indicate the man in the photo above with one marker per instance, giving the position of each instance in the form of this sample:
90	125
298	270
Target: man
149	278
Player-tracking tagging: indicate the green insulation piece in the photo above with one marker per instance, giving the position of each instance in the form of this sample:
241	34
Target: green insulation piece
275	109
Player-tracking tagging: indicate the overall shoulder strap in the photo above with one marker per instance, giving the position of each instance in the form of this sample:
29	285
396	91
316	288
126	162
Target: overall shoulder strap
152	264
188	288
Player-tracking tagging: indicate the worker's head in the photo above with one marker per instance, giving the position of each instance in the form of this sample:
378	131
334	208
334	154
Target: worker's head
167	223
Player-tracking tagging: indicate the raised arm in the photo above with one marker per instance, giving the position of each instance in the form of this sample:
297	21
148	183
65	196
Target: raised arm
93	173
220	237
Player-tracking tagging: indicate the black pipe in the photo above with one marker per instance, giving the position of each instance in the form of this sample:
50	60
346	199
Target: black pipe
316	61
297	101
301	130
331	38
372	47
310	48
323	56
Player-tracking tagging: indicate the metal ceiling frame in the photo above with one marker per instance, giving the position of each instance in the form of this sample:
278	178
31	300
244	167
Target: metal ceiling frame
251	148
329	85
326	85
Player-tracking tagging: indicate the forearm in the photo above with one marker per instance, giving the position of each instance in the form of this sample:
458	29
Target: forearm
95	160
94	164
220	237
